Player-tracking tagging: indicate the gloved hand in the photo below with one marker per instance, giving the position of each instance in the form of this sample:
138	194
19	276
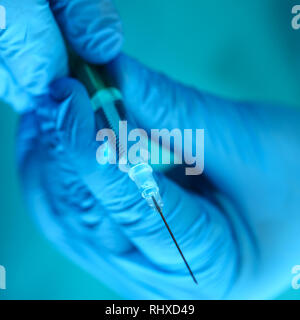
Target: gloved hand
32	50
236	224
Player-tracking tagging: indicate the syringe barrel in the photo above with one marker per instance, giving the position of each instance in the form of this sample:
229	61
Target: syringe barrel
108	100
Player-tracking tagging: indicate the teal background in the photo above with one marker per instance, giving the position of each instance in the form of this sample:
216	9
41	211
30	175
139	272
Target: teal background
238	49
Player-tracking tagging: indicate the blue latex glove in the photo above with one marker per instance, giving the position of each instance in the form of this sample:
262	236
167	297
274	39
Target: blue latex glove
237	224
32	50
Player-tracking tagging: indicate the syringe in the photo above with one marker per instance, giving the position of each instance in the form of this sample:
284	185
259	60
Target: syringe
107	101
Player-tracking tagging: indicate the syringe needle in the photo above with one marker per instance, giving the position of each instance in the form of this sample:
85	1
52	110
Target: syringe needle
171	234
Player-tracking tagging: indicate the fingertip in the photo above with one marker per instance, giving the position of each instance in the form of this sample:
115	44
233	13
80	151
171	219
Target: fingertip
58	90
99	47
63	88
93	29
73	103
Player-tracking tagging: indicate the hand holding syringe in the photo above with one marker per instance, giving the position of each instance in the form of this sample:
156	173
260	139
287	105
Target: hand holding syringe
109	100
